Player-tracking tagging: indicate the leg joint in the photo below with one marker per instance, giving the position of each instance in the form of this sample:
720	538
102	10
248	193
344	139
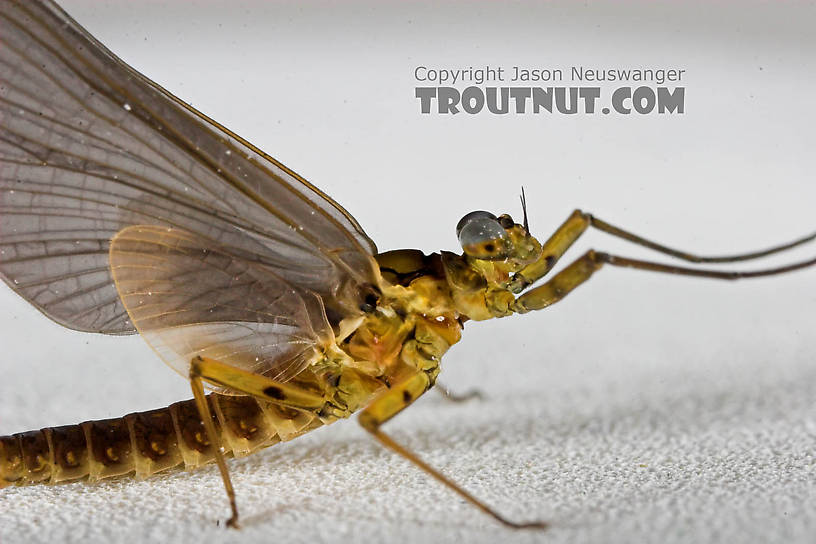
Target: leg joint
195	367
368	422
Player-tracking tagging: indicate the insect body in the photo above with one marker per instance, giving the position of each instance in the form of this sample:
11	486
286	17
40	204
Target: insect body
124	210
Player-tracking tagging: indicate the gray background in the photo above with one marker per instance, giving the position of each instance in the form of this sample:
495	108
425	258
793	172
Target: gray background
644	408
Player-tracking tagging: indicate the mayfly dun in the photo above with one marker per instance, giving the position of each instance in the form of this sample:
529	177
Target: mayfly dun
124	210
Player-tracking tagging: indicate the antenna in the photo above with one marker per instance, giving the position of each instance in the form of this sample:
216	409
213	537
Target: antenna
524	209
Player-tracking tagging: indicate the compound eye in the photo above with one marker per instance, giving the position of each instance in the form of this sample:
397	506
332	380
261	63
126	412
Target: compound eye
470	217
481	236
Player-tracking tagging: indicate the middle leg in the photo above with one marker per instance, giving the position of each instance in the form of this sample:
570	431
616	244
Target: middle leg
392	402
447	394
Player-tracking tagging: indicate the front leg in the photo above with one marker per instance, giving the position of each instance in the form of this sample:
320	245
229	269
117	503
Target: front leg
584	267
578	223
392	402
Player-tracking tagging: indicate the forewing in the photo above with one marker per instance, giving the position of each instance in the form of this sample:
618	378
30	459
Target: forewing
89	146
188	296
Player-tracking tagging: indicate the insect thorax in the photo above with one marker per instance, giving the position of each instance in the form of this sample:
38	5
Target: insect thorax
411	327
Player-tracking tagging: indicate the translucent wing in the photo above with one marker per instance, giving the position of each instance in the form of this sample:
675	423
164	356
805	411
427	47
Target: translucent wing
89	146
188	296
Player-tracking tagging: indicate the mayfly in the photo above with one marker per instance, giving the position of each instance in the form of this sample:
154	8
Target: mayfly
124	210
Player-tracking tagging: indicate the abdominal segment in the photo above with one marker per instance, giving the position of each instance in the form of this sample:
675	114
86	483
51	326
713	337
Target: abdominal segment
144	443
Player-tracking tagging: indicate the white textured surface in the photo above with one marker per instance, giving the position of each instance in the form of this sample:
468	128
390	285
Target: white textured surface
642	409
627	456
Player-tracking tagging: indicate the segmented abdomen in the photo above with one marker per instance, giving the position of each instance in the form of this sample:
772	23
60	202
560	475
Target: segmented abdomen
145	443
